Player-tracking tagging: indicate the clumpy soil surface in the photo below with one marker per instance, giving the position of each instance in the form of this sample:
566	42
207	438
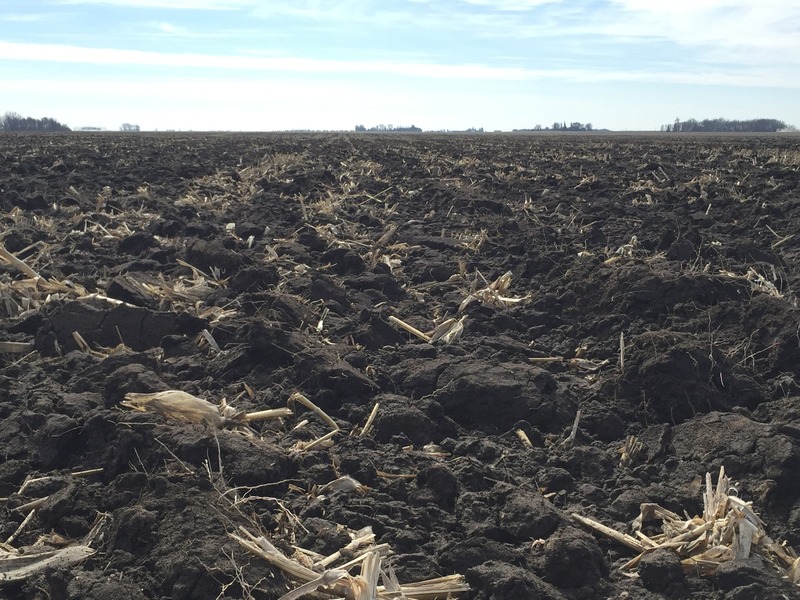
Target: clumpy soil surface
653	288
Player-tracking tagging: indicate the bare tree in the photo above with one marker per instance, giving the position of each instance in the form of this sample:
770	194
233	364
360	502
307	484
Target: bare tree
12	121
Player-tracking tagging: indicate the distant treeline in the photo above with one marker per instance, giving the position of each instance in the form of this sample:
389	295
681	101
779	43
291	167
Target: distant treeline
574	126
724	125
411	129
12	121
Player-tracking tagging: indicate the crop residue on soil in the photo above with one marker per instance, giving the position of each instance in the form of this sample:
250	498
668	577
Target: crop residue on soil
462	343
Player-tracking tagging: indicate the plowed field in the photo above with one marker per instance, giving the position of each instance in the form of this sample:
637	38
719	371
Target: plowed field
477	337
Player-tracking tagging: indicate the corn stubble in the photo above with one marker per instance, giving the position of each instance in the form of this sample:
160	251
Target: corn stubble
729	529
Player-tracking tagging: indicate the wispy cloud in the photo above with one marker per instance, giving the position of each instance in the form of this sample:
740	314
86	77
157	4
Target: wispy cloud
754	32
767	26
60	53
511	5
174	30
169	4
24	17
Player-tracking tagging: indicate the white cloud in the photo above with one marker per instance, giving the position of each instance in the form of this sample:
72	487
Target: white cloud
62	53
171	4
162	62
174	30
765	27
511	5
23	18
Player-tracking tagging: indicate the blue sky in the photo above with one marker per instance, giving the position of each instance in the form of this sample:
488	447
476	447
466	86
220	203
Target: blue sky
438	64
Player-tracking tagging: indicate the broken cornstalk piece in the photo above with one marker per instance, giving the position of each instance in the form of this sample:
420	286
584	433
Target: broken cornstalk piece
492	294
448	331
176	405
19	567
370	420
263	415
299	398
622	538
409	328
181	406
523	437
20	265
15	347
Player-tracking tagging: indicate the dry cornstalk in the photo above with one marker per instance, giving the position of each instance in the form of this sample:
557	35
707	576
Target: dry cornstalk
15	347
382	550
262	547
584	364
301	425
29	480
366	583
324	441
103	353
624	251
448	331
209	339
299	398
176	405
762	283
622	538
20	265
339	583
87	472
387	475
757	281
321	323
387	236
571	437
782	241
199	275
370	420
344	484
26	294
439	588
19	567
728	530
262	415
22	526
409	328
492	294
325	580
545	360
186	408
32	505
630	450
365	538
523	437
102	298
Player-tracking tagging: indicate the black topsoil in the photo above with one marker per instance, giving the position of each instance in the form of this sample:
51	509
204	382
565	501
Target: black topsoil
684	249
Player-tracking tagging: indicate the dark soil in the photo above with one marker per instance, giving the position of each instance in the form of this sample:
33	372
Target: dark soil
679	244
